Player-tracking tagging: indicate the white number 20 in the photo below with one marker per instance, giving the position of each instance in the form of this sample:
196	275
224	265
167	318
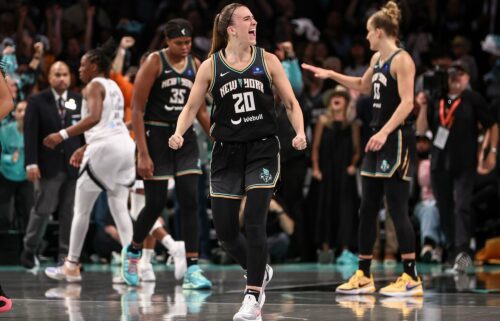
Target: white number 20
244	102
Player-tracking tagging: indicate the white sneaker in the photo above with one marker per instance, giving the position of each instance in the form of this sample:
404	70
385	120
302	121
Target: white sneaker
146	272
178	253
249	311
267	278
118	279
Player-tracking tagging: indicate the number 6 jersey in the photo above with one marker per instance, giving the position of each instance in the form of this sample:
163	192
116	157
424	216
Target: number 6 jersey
243	108
170	91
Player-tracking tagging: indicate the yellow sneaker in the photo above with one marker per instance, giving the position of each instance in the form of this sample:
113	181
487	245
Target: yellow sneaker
359	304
404	286
357	284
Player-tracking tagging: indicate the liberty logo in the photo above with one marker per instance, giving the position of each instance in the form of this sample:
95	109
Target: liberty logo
265	175
240	82
385	166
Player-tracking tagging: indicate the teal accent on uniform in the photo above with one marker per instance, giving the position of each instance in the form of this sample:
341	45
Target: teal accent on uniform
12	141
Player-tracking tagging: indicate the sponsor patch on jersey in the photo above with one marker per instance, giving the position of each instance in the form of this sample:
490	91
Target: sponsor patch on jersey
189	72
257	70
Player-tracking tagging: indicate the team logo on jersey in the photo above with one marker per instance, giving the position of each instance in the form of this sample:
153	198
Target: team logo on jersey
380	77
257	70
385	166
240	82
265	175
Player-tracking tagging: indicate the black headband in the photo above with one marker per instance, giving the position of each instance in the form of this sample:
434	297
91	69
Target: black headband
178	28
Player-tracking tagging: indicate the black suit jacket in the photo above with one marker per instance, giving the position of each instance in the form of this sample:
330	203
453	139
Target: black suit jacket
41	119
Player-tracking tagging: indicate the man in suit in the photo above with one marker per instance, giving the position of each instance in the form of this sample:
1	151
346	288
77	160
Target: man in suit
54	178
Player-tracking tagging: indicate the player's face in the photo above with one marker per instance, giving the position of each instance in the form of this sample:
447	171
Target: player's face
180	46
372	36
244	27
86	70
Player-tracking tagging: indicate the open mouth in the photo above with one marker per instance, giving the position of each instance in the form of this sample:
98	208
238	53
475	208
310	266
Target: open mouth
253	32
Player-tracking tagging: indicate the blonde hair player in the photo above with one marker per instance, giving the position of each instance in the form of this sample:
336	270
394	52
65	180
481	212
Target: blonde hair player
390	153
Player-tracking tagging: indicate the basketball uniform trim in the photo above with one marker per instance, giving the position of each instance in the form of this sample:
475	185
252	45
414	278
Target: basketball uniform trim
214	74
271	185
93	177
188	172
158	123
254	55
388	59
265	66
394	167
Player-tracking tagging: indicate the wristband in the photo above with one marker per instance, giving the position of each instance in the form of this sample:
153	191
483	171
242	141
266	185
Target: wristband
64	134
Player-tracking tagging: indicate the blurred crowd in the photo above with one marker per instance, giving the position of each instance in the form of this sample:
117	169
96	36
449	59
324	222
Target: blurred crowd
314	214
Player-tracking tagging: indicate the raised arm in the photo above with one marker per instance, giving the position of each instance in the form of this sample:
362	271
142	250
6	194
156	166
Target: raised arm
361	84
291	104
195	100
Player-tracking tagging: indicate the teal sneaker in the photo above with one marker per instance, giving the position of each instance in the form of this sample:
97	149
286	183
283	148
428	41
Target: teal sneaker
347	258
129	266
195	280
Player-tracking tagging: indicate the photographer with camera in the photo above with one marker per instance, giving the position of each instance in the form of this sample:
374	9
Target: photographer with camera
454	118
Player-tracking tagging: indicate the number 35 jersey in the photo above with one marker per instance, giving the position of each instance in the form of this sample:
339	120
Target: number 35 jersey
170	91
243	108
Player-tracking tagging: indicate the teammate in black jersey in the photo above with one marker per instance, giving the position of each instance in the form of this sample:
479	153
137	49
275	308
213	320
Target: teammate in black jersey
6	105
390	152
161	89
245	158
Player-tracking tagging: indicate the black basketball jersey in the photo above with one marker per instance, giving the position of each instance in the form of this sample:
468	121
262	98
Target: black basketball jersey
170	91
385	92
243	108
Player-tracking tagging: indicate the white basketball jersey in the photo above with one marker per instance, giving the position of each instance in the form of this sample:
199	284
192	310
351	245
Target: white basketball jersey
111	122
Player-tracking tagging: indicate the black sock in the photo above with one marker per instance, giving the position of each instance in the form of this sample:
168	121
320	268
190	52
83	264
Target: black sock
364	265
136	249
429	241
255	293
191	261
410	268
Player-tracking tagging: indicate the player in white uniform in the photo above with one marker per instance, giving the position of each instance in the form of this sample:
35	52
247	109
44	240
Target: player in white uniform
106	161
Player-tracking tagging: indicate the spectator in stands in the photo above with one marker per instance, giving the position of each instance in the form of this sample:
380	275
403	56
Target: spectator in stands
13	183
454	120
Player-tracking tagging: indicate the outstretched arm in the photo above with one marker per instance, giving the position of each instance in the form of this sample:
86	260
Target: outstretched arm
361	84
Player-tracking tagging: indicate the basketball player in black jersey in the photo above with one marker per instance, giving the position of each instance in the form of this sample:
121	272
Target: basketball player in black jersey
245	157
6	105
161	89
390	153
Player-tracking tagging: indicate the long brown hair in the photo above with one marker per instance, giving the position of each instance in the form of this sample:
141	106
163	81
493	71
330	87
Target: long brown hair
221	22
387	19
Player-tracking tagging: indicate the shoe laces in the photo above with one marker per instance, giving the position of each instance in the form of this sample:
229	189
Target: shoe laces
132	265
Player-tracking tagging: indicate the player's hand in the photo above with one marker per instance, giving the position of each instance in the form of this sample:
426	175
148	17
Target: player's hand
351	170
317	174
299	142
318	72
376	142
33	174
52	140
127	42
175	141
145	166
77	157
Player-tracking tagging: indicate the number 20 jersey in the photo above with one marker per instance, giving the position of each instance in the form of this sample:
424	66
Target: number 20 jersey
243	108
170	91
